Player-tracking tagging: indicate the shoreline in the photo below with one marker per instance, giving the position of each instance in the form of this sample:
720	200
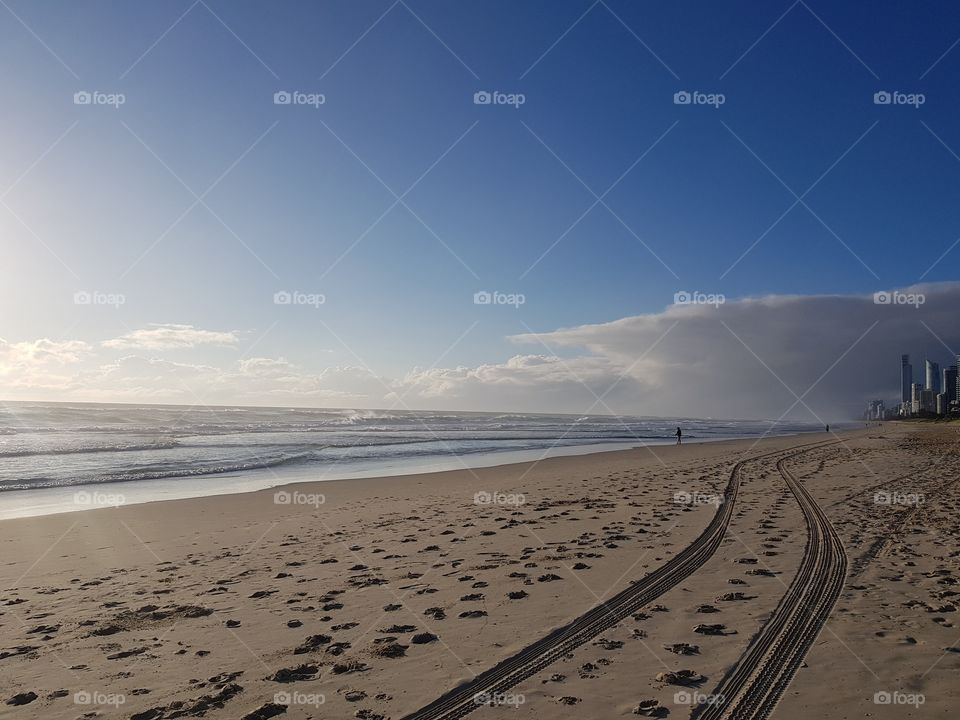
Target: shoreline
86	497
244	591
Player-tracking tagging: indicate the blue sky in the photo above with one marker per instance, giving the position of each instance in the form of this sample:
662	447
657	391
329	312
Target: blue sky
111	206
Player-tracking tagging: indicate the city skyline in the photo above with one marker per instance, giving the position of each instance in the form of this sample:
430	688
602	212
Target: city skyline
938	394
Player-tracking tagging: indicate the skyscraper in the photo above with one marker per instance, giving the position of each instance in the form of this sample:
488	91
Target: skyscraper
906	377
957	395
933	377
949	385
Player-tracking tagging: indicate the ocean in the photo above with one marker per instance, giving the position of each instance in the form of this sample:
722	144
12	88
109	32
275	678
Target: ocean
181	451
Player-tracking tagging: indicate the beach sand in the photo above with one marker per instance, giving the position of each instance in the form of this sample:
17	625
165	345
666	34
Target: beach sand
394	590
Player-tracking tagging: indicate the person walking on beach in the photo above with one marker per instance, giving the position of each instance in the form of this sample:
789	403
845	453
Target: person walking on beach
679	435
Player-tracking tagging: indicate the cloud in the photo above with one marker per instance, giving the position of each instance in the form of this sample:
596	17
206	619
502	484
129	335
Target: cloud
40	364
817	358
542	380
170	337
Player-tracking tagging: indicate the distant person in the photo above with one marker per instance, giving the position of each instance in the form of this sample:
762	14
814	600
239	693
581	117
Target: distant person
679	435
828	428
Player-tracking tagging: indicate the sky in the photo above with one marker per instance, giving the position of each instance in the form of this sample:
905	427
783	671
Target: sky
186	236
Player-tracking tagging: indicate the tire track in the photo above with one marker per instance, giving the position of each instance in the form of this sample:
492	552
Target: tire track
754	686
527	662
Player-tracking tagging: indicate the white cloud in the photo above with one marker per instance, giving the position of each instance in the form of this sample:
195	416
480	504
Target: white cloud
170	337
42	352
748	358
40	366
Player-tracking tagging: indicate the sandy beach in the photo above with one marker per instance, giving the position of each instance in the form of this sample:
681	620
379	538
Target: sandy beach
371	598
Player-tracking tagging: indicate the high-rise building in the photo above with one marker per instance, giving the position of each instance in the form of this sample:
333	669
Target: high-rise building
875	410
949	384
906	377
941	404
916	398
933	377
